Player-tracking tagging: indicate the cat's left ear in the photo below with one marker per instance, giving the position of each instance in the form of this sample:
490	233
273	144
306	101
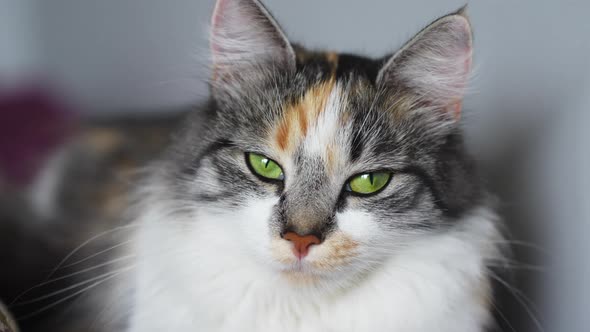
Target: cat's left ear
435	64
243	33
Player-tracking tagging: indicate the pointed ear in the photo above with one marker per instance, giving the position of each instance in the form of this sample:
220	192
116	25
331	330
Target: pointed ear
244	33
435	64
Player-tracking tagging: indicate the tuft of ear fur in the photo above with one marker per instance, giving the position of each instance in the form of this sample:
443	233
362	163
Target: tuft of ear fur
243	33
435	64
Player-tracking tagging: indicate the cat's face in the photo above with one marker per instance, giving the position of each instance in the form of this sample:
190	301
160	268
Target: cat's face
320	166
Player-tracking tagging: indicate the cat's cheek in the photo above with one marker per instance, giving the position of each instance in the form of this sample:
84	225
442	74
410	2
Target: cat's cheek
337	251
360	226
252	226
347	244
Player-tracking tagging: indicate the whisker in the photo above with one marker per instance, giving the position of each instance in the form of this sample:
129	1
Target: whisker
46	282
497	309
520	267
40	298
61	264
87	269
517	243
526	303
513	264
51	305
97	253
63	261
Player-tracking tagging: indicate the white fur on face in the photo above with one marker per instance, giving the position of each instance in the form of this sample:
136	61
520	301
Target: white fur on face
220	269
326	129
215	280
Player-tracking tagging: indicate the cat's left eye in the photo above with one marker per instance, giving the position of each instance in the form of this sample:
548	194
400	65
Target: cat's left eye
368	183
264	166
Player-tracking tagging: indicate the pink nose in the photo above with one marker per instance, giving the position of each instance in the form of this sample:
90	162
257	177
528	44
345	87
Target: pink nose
301	244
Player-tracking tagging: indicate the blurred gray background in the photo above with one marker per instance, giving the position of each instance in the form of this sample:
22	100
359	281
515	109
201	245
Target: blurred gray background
527	115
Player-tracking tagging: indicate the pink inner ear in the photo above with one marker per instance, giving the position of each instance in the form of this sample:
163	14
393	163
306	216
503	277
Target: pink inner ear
456	109
244	34
457	106
219	6
216	22
238	34
435	64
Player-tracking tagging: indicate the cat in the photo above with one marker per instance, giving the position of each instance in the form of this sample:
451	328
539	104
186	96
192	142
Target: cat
318	192
314	191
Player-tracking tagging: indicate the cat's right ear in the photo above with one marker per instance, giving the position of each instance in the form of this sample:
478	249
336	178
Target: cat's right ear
244	34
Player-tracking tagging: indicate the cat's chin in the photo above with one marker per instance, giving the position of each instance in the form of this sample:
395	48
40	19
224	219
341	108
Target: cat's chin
300	277
301	273
295	266
305	272
317	280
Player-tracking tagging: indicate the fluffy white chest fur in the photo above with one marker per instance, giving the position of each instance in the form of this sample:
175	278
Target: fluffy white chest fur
437	284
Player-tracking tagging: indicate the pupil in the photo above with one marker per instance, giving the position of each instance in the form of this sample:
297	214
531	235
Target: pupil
266	161
371	179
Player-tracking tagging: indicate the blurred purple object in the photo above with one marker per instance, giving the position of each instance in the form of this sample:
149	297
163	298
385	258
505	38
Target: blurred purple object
33	123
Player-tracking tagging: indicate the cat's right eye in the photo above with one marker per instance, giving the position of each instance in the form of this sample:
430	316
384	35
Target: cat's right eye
264	166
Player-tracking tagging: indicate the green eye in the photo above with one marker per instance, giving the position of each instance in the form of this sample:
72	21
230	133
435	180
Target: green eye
368	183
265	167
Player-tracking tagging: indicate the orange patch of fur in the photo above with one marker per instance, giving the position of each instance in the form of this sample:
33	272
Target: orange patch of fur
301	115
282	136
339	248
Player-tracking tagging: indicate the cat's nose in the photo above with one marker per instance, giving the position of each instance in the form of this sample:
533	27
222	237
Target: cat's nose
301	244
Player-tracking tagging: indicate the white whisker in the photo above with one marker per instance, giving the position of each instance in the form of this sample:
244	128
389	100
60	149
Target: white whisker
40	298
97	253
51	305
68	276
526	303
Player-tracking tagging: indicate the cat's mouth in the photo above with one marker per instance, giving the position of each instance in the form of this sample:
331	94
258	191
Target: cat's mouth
323	259
300	266
289	262
302	272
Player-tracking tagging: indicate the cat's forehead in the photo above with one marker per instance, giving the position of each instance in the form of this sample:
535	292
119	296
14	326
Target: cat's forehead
330	119
330	111
333	128
315	125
